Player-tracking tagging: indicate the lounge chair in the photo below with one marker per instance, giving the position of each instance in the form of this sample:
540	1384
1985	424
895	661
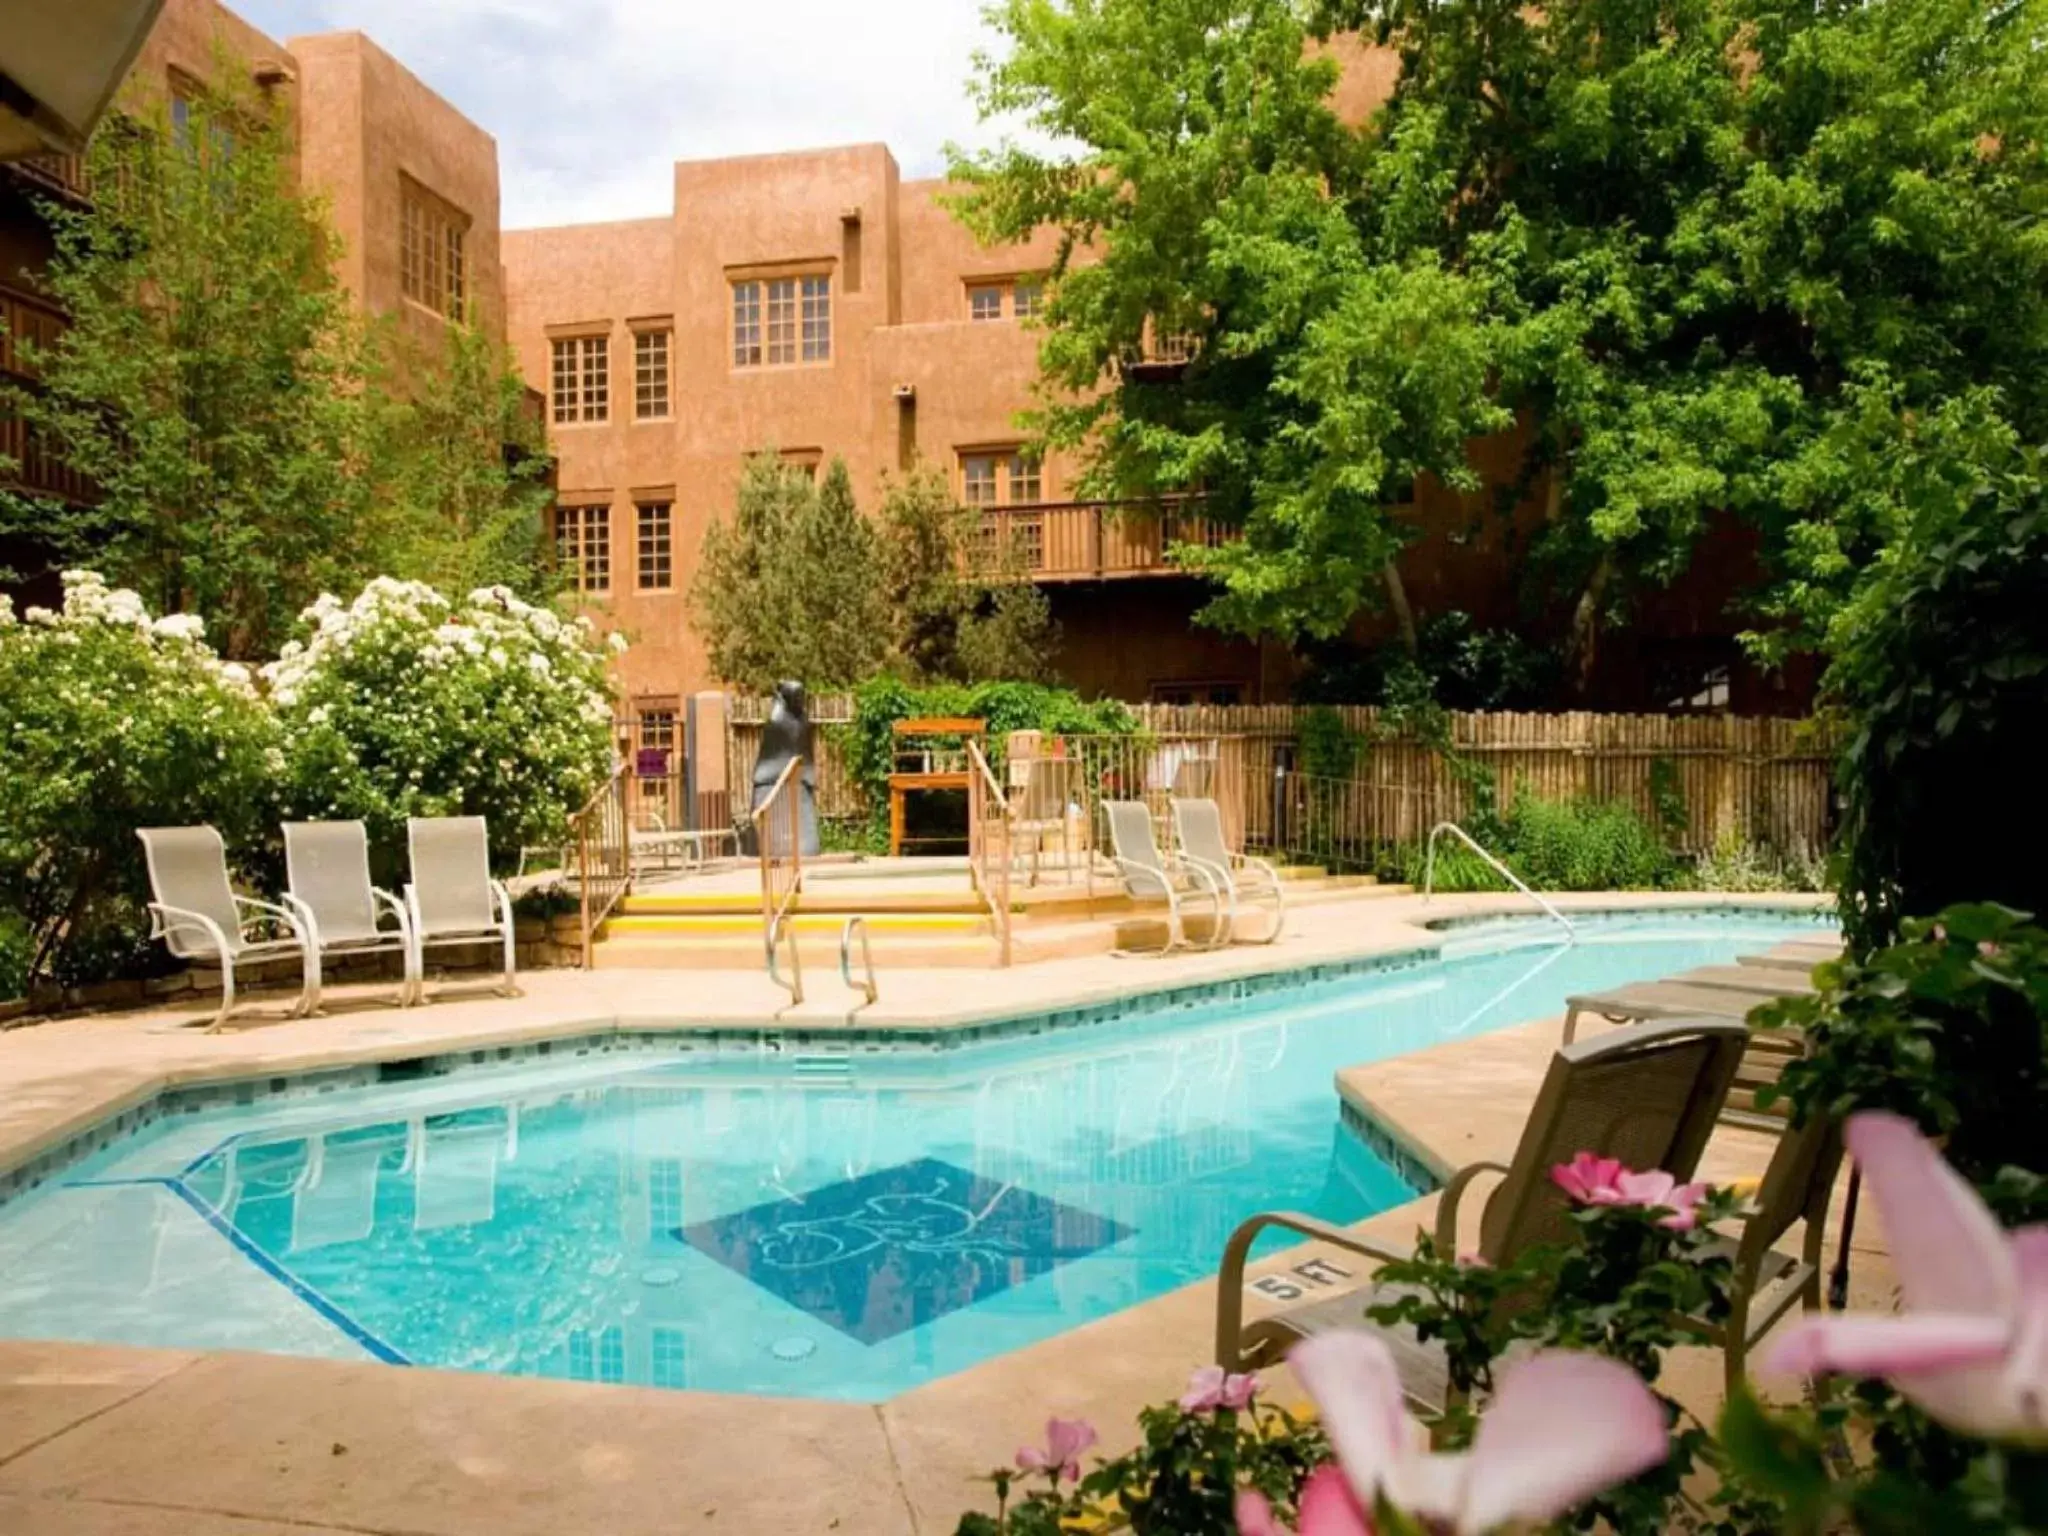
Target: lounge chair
1150	875
452	898
1767	1282
199	917
1648	1095
327	870
1712	991
1244	879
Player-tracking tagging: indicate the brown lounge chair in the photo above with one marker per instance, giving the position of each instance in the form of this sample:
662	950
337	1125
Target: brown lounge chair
1647	1094
1767	1282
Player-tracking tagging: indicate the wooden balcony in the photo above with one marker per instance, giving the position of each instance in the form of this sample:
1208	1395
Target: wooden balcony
64	175
24	463
1091	540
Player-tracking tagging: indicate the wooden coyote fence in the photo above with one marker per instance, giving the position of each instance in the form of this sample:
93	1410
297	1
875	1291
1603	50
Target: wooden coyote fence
1763	780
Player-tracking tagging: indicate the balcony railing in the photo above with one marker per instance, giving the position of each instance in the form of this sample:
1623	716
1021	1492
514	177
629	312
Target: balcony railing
62	174
1090	540
23	460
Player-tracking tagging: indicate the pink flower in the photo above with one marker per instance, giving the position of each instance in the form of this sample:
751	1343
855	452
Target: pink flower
1989	950
1065	1440
1562	1427
1328	1508
1594	1180
1972	1345
1590	1180
1211	1388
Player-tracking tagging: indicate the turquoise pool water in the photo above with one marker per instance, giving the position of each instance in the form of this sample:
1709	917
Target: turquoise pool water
767	1224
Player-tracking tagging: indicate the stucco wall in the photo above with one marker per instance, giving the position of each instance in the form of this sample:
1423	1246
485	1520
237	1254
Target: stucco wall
368	122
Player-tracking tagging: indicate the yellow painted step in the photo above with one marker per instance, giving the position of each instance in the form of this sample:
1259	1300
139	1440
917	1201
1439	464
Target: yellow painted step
684	923
719	903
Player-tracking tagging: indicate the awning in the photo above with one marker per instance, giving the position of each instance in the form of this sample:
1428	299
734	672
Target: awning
60	63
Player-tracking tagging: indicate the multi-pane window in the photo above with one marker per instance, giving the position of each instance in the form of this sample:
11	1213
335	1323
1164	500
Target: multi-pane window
780	321
654	570
650	374
978	473
817	310
1009	479
583	547
1022	297
746	325
582	378
433	262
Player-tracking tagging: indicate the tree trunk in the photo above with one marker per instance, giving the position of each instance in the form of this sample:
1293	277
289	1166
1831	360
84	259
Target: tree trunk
1397	601
1583	642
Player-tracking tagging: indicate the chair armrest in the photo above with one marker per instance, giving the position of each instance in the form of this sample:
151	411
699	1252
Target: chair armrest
303	920
1264	867
1447	1205
270	912
379	897
502	898
1215	873
163	919
1230	1274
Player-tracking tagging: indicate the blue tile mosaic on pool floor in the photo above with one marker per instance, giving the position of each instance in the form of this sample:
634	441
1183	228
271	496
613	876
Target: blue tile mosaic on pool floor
891	1250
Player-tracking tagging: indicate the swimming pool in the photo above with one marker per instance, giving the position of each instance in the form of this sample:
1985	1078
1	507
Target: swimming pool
779	1224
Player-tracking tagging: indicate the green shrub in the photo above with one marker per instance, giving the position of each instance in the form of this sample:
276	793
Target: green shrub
113	722
405	704
1737	864
1586	845
14	953
870	746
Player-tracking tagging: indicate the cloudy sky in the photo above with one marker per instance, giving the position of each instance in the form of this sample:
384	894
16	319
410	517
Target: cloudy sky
591	101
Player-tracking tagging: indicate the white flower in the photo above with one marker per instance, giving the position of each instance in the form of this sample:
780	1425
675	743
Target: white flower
539	664
179	626
235	674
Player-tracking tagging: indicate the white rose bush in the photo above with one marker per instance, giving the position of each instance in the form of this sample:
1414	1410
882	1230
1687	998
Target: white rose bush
110	721
403	703
400	703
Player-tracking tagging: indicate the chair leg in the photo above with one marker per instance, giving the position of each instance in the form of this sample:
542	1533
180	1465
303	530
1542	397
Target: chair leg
1571	1024
510	986
309	992
227	993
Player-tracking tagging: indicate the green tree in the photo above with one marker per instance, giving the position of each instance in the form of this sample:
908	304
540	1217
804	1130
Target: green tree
459	466
791	586
211	382
1690	246
959	607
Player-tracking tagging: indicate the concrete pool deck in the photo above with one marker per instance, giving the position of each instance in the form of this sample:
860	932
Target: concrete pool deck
109	1441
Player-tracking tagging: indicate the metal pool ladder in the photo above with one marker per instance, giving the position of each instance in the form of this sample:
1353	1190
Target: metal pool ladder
866	985
1429	874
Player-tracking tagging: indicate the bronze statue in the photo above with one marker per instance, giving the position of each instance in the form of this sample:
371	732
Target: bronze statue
788	734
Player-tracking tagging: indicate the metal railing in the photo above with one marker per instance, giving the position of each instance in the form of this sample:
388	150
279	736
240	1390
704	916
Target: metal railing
866	985
778	833
1429	873
1089	540
990	844
601	834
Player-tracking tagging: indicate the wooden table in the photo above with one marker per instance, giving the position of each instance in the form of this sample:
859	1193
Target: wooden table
905	781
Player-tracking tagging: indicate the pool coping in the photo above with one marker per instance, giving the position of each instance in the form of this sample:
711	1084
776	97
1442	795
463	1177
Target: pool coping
29	1160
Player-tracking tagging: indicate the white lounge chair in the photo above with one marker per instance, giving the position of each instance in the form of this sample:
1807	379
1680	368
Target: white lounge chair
1150	875
452	898
327	870
1245	880
199	917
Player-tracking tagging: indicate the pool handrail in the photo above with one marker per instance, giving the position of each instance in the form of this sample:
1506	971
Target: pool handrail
1429	874
866	985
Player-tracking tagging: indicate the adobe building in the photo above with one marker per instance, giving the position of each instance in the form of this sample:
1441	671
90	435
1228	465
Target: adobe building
412	185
